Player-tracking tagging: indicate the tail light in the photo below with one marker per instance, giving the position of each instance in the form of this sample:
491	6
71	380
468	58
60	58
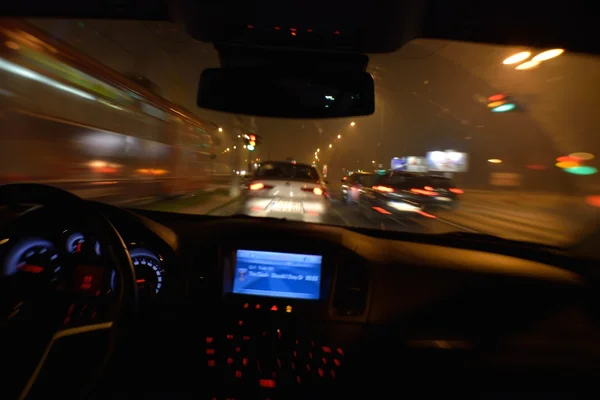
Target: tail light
259	186
424	192
316	190
457	190
384	189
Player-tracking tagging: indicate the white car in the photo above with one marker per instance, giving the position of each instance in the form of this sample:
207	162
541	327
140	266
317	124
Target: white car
282	189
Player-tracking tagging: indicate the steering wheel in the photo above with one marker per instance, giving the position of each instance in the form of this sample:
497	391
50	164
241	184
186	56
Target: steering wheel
48	337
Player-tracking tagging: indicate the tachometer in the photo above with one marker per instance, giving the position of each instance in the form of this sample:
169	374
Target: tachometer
148	270
35	258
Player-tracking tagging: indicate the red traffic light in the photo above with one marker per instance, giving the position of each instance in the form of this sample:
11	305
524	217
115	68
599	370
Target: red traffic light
496	97
252	138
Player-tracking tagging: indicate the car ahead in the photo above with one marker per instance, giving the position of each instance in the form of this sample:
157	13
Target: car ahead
290	190
351	186
402	192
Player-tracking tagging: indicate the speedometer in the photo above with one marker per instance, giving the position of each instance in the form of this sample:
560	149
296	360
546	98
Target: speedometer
148	271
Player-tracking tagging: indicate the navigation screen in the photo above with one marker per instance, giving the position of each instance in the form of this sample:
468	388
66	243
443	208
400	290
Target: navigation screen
265	273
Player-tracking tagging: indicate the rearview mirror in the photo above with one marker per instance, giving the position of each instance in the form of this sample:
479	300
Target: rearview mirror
285	93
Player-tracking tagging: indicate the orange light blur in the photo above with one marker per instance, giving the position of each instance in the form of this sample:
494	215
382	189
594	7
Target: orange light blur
383	189
257	186
318	191
457	190
423	192
381	210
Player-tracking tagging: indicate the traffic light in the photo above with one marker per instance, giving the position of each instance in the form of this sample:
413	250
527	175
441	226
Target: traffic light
500	103
250	140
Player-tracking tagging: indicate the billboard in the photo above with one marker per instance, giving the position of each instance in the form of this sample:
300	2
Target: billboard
446	161
398	163
410	164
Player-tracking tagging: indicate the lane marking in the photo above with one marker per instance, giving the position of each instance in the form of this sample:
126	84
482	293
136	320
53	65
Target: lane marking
458	226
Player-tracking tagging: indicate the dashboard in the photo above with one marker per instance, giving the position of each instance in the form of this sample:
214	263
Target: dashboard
266	304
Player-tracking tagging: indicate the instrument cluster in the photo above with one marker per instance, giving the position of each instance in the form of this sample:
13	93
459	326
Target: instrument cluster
53	261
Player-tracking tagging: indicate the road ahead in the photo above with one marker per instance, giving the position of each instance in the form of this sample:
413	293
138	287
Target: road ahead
542	218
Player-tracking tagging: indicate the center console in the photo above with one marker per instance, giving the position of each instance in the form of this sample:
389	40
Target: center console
274	341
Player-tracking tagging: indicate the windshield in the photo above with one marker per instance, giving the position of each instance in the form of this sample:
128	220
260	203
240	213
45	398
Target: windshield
465	137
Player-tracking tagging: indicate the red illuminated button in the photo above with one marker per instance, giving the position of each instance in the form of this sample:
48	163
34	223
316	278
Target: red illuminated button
229	336
229	360
267	383
321	373
274	308
336	362
246	305
326	349
340	351
257	306
209	340
211	363
210	351
238	374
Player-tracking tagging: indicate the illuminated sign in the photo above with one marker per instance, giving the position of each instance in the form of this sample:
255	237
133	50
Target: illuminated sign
447	161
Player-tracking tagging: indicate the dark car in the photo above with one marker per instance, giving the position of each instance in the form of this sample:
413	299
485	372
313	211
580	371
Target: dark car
409	192
351	186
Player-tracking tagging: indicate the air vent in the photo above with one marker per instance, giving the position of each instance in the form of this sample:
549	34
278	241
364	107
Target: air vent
351	290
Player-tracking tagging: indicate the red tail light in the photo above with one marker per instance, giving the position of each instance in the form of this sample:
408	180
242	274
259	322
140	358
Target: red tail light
384	189
457	190
424	192
259	186
428	188
317	190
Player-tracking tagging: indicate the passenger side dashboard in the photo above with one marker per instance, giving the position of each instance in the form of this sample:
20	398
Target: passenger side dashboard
381	297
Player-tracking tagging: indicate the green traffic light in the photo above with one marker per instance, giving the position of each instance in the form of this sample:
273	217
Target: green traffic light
504	107
250	147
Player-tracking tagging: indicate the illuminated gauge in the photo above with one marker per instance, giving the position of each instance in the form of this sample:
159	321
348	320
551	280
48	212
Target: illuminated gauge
76	243
148	271
34	258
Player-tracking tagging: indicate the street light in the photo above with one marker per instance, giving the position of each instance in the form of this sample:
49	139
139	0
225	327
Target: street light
548	54
330	146
528	65
339	136
495	161
318	150
352	123
517	58
220	129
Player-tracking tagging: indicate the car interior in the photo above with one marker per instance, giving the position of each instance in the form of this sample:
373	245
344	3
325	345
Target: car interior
382	312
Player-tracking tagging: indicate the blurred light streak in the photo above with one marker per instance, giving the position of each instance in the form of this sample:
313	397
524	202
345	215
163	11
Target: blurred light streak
527	65
582	156
517	58
582	170
548	54
26	73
